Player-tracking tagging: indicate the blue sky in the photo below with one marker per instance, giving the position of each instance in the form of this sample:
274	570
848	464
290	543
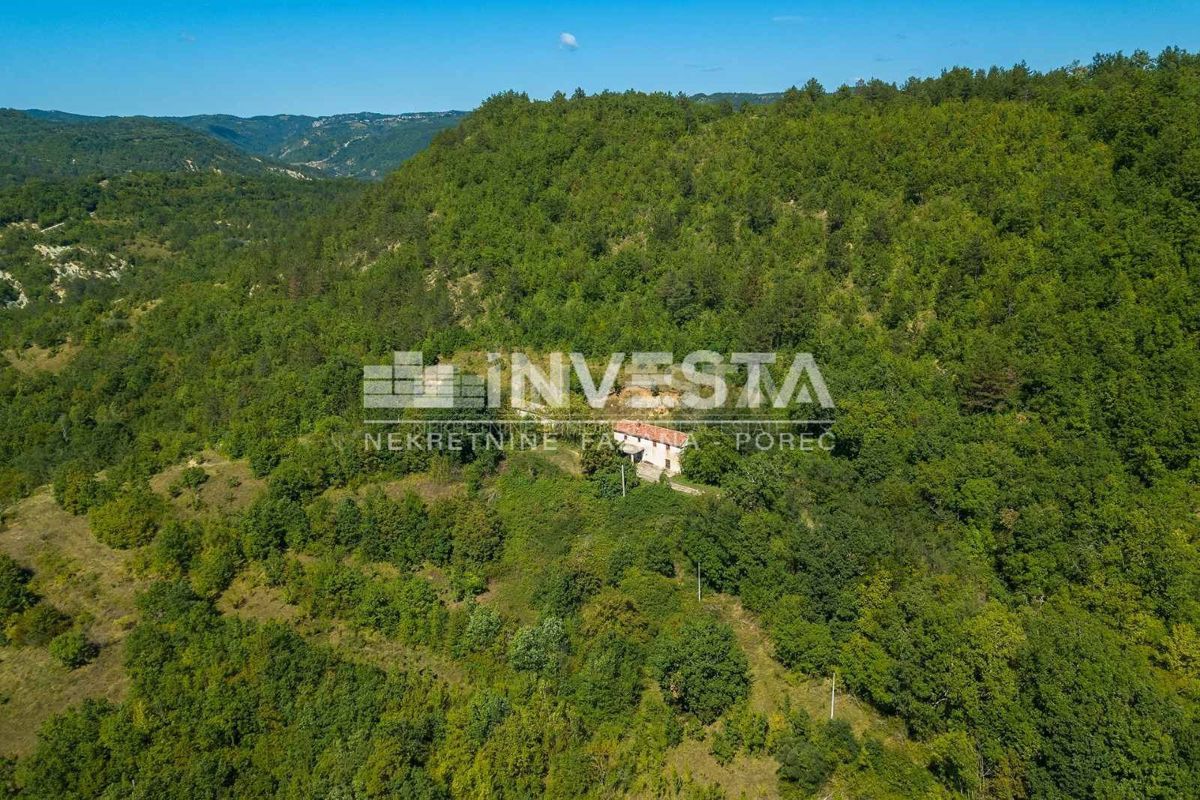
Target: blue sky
329	57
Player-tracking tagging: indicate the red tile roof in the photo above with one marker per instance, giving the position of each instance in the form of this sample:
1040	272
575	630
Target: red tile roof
654	433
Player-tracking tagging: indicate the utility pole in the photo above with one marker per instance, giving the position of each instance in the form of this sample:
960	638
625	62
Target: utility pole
697	581
622	479
832	694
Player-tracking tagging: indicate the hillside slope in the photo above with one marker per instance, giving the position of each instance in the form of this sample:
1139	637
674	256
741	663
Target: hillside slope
362	145
998	272
64	146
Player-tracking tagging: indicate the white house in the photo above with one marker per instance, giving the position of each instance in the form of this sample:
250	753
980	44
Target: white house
660	447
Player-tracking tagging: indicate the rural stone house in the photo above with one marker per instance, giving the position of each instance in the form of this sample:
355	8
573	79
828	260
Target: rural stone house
651	444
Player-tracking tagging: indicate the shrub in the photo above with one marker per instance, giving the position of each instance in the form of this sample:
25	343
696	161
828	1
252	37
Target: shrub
701	669
800	644
15	595
191	478
271	524
537	648
216	565
175	547
72	649
76	489
561	591
483	626
129	520
37	625
477	536
803	764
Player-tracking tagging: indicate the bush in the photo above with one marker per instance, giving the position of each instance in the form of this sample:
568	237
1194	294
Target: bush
477	536
129	520
710	454
537	648
37	625
483	626
15	595
176	546
561	591
76	489
191	478
701	669
72	649
803	764
271	524
609	680
217	564
800	644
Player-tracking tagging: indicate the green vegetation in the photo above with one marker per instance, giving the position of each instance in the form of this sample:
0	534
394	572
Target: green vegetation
66	145
363	145
130	519
997	272
360	145
72	649
701	668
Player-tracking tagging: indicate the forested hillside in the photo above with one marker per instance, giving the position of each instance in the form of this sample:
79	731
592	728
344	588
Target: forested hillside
362	145
343	145
997	271
67	145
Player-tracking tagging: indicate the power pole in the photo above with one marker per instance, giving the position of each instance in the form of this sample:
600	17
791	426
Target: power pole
697	581
832	694
622	479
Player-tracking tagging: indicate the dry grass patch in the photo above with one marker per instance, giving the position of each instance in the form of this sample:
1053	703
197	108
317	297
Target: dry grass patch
34	359
35	687
249	597
231	486
83	578
427	487
744	776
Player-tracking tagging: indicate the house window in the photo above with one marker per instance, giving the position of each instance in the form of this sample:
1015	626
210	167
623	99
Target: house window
668	463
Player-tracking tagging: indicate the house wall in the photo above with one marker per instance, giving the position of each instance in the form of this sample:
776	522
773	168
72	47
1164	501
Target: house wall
656	453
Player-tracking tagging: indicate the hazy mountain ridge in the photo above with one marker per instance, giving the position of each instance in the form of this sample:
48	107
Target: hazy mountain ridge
737	99
361	145
52	145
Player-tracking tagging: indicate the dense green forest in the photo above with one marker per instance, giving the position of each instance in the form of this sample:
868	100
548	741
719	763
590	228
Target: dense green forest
361	145
56	146
998	272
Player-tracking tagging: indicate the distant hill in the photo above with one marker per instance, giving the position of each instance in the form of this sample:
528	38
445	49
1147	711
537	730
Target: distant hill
737	99
58	145
363	145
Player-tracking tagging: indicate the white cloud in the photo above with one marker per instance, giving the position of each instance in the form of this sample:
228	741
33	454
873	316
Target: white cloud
568	41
